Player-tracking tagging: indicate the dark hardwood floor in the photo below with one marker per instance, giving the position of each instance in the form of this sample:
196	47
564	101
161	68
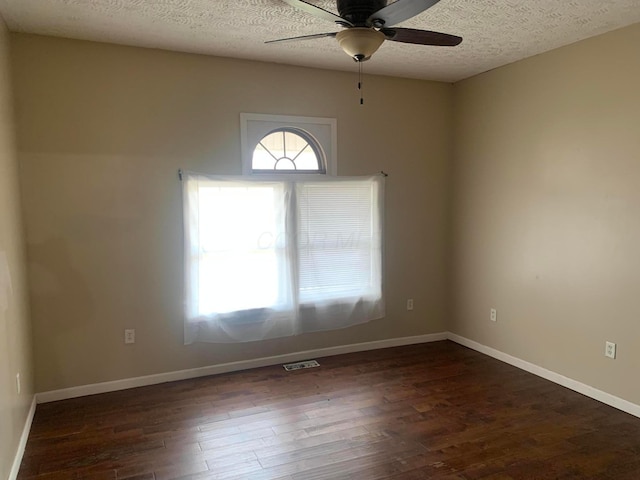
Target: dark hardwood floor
431	411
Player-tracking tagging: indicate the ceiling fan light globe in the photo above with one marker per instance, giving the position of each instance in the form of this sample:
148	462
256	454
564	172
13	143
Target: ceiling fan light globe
359	42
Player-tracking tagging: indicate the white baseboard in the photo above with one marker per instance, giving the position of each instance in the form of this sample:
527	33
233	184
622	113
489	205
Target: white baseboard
15	468
115	385
574	385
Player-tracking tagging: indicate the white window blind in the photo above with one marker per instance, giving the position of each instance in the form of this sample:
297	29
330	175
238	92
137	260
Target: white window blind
338	251
267	258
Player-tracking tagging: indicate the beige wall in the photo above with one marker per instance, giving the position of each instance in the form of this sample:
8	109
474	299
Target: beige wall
15	345
102	131
547	210
544	196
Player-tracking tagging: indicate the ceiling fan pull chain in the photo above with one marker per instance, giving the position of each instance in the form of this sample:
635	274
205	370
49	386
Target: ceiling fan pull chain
360	82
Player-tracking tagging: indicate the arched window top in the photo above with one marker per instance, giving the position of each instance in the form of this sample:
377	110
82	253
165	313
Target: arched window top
288	150
319	133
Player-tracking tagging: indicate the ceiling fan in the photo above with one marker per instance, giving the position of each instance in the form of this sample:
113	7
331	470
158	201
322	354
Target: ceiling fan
368	23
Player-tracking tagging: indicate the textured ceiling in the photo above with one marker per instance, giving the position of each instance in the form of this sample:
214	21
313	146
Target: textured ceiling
495	32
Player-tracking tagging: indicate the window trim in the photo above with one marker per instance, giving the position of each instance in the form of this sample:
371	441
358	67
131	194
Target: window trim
310	125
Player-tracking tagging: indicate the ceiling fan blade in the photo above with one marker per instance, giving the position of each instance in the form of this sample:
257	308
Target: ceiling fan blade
303	37
421	37
398	11
318	12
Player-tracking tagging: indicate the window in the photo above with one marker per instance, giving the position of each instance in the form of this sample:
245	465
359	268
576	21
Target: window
264	138
288	150
273	258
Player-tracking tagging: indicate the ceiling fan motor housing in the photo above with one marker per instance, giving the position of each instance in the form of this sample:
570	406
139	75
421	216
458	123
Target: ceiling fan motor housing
358	11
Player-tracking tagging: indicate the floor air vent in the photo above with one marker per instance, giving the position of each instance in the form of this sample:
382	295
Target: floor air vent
289	367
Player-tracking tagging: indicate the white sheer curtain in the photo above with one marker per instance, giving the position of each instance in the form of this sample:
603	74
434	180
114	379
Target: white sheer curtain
269	258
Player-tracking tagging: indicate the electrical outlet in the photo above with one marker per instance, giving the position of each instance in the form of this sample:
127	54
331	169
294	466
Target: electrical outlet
129	335
610	349
494	315
410	304
18	385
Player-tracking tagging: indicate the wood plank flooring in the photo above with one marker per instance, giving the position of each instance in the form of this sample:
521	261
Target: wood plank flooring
431	411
